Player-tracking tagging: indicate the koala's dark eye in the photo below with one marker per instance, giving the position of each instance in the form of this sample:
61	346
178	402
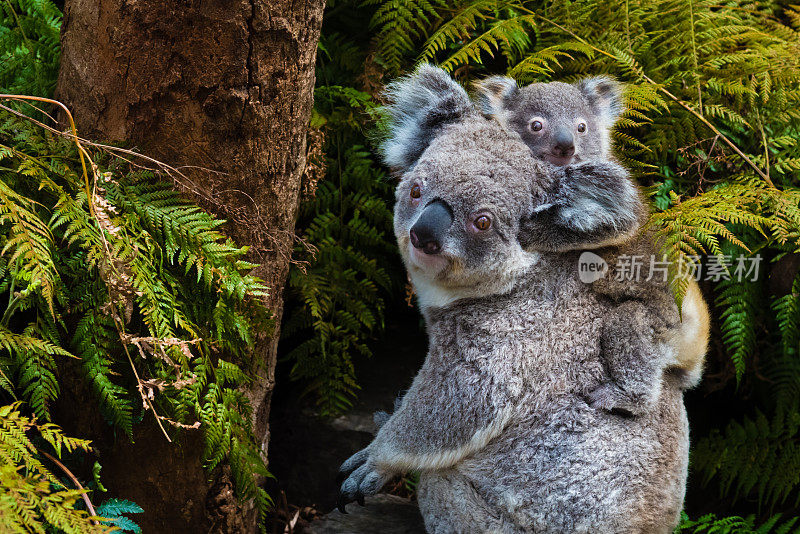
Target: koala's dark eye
537	126
582	127
416	191
483	222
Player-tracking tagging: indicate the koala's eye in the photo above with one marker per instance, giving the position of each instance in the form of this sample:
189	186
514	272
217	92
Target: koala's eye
483	222
582	127
416	191
537	126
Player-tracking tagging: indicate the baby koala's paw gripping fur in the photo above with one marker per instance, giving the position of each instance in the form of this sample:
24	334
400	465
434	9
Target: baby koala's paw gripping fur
595	194
609	397
359	476
590	205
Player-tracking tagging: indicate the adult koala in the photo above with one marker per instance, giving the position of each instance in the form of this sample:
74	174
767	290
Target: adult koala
497	421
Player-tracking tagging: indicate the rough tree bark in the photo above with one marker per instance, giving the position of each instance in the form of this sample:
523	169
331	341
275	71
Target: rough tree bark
221	84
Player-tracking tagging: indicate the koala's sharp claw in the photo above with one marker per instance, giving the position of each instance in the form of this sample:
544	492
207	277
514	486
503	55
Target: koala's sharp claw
341	502
357	477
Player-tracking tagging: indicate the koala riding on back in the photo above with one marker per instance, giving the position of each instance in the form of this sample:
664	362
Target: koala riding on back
497	421
570	124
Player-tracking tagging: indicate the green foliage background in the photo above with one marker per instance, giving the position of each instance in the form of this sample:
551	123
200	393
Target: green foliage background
712	130
107	271
121	276
337	297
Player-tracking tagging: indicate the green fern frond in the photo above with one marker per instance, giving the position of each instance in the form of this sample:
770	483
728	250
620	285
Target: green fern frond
739	303
33	497
461	25
33	367
337	302
509	36
28	244
759	456
29	46
399	23
113	513
95	341
711	524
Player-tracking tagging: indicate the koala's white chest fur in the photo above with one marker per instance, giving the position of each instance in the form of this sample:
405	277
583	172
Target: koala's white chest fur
433	295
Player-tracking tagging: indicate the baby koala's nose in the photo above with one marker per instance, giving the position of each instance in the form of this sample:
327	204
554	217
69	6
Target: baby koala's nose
563	151
563	144
428	232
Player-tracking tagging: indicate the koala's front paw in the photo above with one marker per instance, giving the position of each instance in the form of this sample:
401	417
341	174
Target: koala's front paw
610	398
358	477
599	194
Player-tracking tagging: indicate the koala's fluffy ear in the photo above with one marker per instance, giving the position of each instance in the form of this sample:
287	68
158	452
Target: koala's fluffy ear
493	95
420	105
604	94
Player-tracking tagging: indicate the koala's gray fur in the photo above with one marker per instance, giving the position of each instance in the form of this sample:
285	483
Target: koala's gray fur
583	206
560	107
589	211
570	220
497	419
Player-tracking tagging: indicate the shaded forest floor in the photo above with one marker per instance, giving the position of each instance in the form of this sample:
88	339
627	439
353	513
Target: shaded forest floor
305	450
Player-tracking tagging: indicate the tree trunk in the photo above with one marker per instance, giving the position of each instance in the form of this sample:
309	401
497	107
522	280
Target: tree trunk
226	85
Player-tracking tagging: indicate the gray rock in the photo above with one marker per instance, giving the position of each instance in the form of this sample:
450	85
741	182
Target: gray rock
355	421
385	514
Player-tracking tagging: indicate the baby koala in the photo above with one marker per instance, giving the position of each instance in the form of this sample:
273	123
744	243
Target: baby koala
569	125
561	123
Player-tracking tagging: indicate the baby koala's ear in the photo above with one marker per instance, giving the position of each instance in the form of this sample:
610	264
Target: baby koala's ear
420	105
604	95
493	95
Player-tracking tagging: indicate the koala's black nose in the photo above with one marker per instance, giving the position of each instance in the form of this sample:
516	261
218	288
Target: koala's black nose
428	232
563	143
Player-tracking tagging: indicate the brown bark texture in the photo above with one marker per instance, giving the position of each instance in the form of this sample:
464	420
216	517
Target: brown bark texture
225	85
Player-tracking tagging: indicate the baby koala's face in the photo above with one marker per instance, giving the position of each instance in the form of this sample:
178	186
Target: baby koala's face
458	213
556	123
561	123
